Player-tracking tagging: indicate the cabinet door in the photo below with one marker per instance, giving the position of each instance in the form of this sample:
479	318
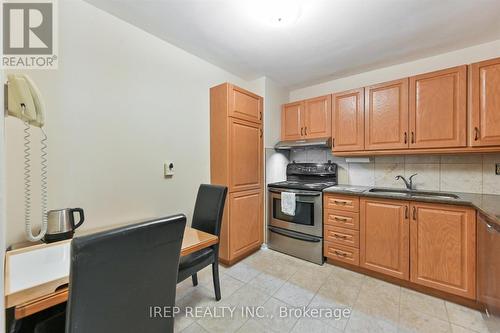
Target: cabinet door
318	117
245	155
443	248
485	103
348	121
245	222
386	115
438	109
292	122
384	237
245	105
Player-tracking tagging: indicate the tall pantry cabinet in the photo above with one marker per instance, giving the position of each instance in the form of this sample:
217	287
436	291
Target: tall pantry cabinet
236	161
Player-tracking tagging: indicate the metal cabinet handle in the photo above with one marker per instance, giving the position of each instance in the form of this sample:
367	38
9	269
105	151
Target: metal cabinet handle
339	236
412	137
406	137
414	213
340	254
260	115
339	202
260	132
406	212
340	219
301	131
305	130
476	133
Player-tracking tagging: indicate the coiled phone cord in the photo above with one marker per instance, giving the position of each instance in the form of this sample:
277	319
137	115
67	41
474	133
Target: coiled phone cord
27	184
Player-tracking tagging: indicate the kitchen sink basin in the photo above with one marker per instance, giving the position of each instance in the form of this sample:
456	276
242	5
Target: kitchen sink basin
421	194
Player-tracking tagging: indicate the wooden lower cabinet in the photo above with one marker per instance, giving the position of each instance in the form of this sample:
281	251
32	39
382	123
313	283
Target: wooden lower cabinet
428	244
385	232
244	225
443	248
342	253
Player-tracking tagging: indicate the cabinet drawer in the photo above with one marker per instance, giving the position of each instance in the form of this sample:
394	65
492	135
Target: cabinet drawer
342	236
342	202
342	219
343	253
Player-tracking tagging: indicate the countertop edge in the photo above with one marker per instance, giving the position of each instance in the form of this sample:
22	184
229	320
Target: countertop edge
363	191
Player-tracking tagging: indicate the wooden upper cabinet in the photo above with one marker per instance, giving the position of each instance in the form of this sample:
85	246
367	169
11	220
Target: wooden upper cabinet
245	105
348	118
485	103
438	109
443	248
317	120
292	122
386	115
384	236
246	228
245	155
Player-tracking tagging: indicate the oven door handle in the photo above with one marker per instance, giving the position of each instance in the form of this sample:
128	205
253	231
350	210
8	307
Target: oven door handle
308	194
294	235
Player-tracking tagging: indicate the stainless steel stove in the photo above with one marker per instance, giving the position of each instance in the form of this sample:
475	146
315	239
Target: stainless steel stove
301	234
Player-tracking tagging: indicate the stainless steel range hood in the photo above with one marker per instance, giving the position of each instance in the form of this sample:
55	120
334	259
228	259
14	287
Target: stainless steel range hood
312	143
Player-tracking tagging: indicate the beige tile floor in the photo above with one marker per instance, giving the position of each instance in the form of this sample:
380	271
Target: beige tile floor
273	280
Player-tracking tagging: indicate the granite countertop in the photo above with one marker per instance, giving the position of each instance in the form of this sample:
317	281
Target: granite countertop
487	204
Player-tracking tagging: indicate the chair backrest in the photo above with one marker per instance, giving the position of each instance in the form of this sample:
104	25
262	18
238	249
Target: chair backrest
117	277
209	208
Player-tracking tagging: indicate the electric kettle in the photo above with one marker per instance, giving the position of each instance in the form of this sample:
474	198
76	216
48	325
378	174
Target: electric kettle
61	224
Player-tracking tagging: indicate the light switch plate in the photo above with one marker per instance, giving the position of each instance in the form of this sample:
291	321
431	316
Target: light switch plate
497	169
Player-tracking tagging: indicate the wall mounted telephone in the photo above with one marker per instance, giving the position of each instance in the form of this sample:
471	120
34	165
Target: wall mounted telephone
24	102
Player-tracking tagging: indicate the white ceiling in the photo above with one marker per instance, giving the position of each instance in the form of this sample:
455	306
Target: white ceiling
329	39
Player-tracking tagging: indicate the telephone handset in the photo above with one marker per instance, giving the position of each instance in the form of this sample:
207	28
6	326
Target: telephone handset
24	102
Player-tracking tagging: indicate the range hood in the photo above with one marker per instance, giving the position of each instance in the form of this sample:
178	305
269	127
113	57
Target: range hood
303	143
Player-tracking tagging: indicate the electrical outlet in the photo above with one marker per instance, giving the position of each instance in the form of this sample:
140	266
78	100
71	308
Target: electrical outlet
497	169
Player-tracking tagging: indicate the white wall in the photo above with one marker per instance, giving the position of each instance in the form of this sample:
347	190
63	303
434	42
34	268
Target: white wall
275	96
445	60
121	102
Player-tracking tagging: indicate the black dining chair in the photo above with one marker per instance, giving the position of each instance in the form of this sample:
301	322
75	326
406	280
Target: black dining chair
119	278
207	217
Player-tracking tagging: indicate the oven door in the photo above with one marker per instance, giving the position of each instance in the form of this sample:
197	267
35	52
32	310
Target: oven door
308	218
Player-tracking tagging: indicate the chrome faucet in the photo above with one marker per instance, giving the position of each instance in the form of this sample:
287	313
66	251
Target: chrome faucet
409	182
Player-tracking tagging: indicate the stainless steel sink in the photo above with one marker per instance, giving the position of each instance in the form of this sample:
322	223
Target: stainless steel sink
421	194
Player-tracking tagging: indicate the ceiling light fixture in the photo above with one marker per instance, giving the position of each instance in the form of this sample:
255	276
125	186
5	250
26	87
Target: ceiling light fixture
276	12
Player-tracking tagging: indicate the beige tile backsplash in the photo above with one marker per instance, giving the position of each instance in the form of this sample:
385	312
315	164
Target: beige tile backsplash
473	173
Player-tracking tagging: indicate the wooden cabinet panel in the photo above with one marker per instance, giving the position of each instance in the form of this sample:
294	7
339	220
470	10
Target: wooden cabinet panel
443	248
341	202
348	128
245	155
384	236
318	117
245	105
386	115
438	109
245	219
342	219
341	236
342	253
485	103
292	122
